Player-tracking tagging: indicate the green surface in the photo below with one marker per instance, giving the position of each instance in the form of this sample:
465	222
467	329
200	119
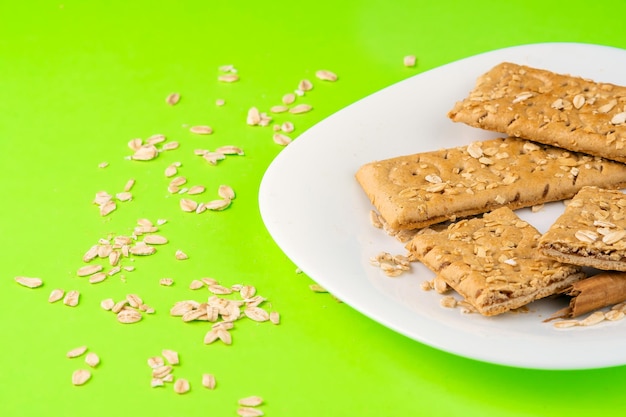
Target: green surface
78	80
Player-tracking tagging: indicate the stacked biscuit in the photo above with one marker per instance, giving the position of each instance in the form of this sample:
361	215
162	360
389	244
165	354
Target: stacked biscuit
566	139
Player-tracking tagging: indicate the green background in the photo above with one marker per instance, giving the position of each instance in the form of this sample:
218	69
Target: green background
78	80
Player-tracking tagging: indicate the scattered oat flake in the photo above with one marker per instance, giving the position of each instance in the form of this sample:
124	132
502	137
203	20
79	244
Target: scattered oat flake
252	401
161	371
196	284
281	139
119	306
88	270
254	116
92	359
196	189
219	289
142	250
107	208
124	196
218	205
29	282
594	318
289	98
301	108
97	277
274	317
230	150
107	304
154	139
226	191
56	295
210	337
135	144
409	61
170	171
178	181
317	288
228	78
287	127
80	377
180	255
188	205
566	323
256	314
171	356
103	164
129	316
76	352
279	109
166	282
155	240
145	153
305	85
246	291
326	75
172	99
134	300
71	298
224	335
155	362
201	130
129	184
220	102
249	412
181	386
208	381
170	146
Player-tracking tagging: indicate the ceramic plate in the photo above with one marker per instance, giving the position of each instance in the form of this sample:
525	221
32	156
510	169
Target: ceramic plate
319	216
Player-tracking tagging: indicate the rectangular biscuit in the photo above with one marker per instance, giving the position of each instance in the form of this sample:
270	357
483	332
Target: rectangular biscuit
493	262
419	190
591	231
560	110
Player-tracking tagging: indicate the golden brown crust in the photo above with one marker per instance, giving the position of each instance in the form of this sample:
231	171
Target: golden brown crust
493	262
560	110
591	231
416	191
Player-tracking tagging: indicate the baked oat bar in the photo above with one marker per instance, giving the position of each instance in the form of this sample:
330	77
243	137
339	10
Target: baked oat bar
419	190
560	110
591	231
493	262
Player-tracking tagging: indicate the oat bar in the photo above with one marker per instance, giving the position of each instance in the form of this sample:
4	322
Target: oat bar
591	231
493	262
560	110
419	190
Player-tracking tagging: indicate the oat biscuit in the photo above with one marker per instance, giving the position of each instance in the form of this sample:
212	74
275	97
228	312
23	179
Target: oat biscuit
419	190
591	231
560	110
493	262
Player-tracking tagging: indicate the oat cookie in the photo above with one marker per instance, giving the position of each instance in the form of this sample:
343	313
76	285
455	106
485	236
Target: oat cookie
591	231
419	190
560	110
493	262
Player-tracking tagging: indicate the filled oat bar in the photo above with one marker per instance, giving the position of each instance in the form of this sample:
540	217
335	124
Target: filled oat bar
493	262
419	190
591	231
560	110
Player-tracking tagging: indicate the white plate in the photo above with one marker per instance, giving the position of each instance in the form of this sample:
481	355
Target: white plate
318	215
